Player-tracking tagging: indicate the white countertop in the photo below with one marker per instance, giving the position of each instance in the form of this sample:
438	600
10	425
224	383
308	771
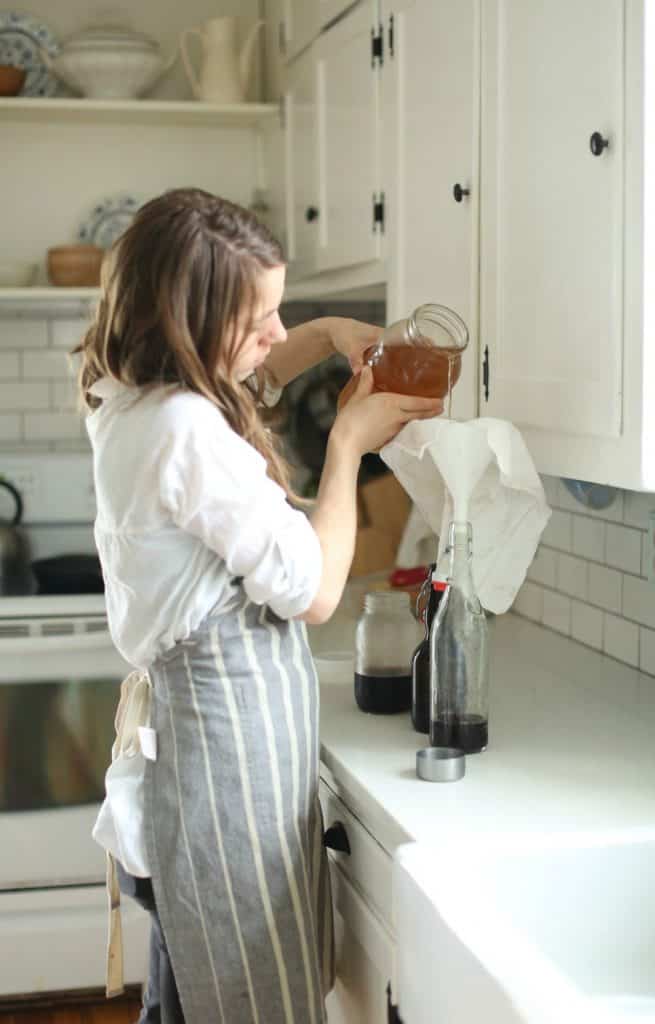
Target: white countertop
571	748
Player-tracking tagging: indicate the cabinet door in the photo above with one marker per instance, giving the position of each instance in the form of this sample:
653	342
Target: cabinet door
364	959
551	227
301	25
348	80
430	106
301	166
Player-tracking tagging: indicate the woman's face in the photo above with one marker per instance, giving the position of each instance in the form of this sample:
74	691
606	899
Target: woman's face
265	329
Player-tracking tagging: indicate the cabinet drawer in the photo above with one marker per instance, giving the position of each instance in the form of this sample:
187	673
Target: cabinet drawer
367	865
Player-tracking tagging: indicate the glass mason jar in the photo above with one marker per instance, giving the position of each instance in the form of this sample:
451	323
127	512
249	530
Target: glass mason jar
421	354
385	638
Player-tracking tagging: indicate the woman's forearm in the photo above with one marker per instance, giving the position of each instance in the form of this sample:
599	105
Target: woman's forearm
334	518
306	345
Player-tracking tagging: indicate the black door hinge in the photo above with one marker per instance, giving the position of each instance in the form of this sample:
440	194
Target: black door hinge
378	212
485	373
377	46
391	35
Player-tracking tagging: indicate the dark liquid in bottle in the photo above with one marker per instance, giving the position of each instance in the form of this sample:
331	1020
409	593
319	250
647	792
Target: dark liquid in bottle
383	694
421	665
469	733
425	371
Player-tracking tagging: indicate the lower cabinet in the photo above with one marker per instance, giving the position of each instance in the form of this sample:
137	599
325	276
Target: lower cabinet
364	957
360	871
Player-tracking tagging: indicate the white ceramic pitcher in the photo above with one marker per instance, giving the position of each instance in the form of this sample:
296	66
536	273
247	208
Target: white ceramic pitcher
224	72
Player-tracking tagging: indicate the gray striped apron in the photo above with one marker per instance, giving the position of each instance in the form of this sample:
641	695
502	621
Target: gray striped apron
234	830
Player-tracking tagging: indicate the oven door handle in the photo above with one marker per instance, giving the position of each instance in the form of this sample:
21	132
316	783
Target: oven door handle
72	642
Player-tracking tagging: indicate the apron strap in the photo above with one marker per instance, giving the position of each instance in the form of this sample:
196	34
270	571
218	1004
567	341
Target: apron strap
115	986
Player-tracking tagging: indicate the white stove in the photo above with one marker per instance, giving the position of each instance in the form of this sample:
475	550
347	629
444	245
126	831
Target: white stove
59	680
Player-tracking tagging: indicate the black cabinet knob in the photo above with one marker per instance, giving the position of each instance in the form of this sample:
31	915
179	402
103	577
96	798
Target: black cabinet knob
336	838
311	213
597	144
459	192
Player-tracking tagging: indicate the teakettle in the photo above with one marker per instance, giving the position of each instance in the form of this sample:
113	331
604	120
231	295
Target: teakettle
224	73
16	577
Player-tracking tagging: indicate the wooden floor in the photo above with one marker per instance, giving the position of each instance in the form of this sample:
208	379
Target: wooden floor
80	1010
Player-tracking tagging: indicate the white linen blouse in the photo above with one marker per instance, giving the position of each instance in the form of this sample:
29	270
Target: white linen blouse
185	507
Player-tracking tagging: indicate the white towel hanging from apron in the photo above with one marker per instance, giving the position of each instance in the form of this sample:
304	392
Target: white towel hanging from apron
119	827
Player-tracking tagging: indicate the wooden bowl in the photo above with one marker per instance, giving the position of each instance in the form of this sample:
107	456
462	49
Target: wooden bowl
75	266
11	79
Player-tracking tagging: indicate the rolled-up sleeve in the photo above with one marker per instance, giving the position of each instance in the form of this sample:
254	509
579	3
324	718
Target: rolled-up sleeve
216	487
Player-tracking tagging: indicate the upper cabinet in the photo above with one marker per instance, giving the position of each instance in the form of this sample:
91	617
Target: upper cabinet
552	299
430	113
335	209
506	148
350	218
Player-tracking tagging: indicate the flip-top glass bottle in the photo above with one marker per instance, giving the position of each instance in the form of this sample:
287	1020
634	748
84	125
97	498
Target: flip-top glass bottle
428	603
459	655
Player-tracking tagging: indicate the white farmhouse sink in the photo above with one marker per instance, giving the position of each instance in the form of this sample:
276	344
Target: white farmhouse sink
545	930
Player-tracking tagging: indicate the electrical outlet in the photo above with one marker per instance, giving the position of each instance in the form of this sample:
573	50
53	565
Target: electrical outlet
650	547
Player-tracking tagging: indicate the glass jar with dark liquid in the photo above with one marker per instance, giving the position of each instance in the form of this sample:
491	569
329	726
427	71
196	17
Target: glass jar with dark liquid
385	637
419	355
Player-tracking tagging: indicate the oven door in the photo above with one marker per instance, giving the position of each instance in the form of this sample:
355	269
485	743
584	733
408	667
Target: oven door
58	697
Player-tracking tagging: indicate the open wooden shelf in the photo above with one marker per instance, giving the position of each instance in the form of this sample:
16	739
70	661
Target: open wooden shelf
240	115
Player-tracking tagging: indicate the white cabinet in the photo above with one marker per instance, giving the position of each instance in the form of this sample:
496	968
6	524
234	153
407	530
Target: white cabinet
301	159
332	149
361	890
552	218
430	90
565	130
348	141
364	955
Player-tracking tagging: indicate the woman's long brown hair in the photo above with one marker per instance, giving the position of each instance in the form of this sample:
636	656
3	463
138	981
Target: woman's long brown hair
177	287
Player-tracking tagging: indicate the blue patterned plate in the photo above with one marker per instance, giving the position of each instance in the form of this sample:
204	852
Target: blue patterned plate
20	39
108	220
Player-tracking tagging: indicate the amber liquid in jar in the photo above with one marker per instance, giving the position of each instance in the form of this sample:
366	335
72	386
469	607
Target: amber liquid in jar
421	370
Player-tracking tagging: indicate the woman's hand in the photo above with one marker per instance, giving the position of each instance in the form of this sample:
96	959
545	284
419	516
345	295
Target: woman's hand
352	338
369	419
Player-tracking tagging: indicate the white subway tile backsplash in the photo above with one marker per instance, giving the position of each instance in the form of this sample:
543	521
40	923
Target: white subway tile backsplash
530	601
587	624
53	426
589	538
637	506
639	601
543	567
11	427
16	333
647	650
647	553
9	365
18	395
621	639
604	587
64	395
557	611
67	333
623	548
51	363
559	531
572	575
